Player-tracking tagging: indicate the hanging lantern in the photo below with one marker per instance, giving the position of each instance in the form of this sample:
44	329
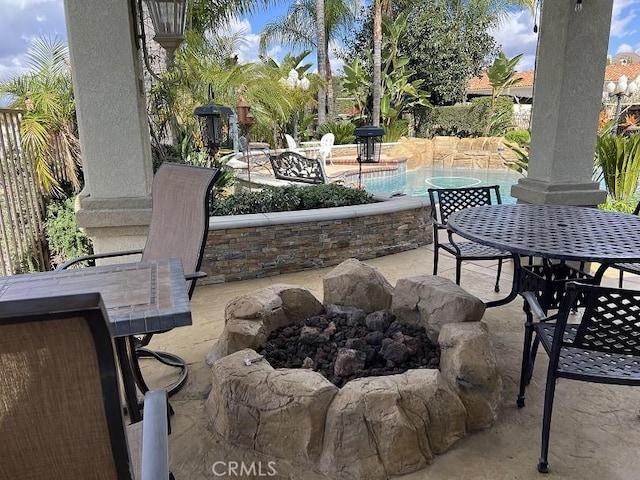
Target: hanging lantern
214	127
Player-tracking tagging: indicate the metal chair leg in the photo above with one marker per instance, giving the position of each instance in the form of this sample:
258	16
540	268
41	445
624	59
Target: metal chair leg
526	367
497	286
435	261
543	463
458	270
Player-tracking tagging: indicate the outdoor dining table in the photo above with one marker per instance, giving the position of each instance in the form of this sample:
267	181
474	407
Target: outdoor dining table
141	297
551	232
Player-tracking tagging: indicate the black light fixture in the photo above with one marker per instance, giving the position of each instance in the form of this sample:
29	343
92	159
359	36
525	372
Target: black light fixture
214	127
369	142
169	18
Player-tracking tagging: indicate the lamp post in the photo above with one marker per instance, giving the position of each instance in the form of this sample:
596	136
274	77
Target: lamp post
246	121
293	81
623	88
369	142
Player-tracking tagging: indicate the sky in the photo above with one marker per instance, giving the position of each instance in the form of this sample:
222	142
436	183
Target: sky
21	21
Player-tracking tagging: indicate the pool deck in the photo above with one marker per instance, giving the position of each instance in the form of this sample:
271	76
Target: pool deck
595	430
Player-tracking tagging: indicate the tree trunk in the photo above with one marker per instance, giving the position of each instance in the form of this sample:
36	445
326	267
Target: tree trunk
377	64
330	91
321	43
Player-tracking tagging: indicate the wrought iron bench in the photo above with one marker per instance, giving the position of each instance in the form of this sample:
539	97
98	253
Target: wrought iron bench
293	167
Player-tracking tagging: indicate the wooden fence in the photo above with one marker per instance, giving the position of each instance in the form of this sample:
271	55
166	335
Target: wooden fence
23	245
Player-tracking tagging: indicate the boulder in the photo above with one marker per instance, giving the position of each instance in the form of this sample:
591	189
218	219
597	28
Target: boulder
382	426
433	301
250	318
280	413
357	284
468	365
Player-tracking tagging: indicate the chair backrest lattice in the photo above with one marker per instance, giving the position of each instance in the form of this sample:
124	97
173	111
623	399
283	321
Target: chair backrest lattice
180	215
445	201
60	414
610	323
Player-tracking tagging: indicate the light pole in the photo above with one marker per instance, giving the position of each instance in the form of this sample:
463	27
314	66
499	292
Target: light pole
623	88
294	81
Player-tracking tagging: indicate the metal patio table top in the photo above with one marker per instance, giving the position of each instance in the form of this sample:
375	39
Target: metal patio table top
558	232
141	297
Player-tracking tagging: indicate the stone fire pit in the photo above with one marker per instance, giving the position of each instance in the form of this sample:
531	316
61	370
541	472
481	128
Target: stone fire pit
372	427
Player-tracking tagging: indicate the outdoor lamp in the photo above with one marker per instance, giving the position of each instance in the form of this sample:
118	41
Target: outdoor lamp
369	142
214	127
623	88
245	117
169	18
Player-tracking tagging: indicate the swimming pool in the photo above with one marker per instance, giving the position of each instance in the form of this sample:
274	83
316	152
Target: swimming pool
417	182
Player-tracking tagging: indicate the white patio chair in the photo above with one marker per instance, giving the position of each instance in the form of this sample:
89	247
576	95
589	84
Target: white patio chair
326	147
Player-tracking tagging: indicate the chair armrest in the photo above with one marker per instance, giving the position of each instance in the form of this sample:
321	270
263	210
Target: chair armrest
536	309
194	275
73	261
155	436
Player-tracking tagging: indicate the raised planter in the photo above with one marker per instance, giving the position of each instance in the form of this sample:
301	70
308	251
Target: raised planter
241	247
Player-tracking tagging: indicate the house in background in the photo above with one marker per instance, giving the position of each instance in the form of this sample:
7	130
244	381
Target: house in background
627	64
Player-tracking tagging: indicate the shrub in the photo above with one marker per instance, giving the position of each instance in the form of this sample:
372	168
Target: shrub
520	137
343	132
467	120
619	161
283	199
64	238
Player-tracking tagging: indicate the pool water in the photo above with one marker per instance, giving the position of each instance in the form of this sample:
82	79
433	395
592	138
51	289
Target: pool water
417	182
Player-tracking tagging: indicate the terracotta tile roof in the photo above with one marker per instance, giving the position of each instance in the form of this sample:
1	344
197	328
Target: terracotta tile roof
613	72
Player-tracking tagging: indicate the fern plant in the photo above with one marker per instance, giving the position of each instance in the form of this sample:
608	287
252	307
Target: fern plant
619	161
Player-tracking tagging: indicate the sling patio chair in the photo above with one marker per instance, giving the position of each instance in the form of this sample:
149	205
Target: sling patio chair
60	411
178	229
603	347
444	202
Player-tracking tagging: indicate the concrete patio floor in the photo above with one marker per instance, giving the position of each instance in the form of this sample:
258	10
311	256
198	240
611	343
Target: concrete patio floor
595	429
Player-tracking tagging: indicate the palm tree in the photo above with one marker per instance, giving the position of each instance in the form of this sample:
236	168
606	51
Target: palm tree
48	126
299	28
323	60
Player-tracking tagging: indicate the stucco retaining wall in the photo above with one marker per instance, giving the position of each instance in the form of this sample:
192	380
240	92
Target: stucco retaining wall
241	247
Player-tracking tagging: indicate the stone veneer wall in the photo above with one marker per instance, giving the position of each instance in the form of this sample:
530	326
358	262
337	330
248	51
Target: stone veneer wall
250	246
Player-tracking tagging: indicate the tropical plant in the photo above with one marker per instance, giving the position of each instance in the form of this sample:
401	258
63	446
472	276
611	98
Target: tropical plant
519	142
344	132
400	92
48	127
619	161
302	27
502	75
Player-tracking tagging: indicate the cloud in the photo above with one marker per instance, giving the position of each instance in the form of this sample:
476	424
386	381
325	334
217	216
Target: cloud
21	21
622	19
515	36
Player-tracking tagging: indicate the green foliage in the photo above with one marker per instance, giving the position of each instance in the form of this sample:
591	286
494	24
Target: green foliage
290	198
64	238
397	129
619	161
343	132
462	121
48	127
620	206
520	137
502	75
401	91
446	43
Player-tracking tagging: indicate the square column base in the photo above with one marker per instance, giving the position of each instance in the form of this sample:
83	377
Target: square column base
542	193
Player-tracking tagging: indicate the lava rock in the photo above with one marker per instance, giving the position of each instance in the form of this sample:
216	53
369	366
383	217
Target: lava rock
349	361
380	320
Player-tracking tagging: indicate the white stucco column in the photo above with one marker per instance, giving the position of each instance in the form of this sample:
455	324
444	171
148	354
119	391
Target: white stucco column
114	207
572	55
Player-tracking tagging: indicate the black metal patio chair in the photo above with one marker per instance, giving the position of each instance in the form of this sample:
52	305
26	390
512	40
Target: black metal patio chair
633	268
60	410
604	347
444	202
178	229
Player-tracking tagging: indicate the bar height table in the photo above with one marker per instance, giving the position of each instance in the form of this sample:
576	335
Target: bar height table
140	298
